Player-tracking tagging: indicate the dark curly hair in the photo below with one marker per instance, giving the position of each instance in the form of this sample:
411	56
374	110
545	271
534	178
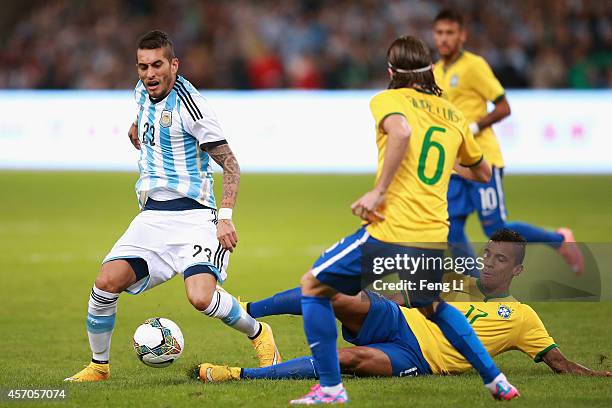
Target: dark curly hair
508	235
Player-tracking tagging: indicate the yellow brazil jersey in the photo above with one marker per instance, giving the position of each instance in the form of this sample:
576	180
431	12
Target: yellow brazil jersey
415	207
501	323
469	83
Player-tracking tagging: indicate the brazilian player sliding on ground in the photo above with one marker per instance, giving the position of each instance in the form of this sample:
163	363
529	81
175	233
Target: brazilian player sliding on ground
420	138
396	341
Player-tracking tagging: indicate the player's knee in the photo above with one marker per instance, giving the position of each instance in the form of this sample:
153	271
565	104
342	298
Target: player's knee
348	360
312	287
108	283
309	284
200	301
352	359
115	276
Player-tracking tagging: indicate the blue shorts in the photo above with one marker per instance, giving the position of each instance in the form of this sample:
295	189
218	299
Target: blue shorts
340	265
348	266
487	199
386	329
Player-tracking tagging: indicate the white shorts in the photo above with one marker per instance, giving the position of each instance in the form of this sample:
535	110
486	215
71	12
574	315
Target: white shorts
171	242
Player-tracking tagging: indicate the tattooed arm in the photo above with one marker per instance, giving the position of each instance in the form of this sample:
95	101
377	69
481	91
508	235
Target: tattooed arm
224	157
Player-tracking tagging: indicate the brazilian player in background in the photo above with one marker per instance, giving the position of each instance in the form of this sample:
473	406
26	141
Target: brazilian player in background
420	137
468	83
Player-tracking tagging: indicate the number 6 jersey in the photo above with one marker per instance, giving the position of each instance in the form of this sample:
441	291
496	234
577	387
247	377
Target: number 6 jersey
415	207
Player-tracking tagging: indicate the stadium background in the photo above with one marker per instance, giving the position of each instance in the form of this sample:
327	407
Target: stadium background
56	226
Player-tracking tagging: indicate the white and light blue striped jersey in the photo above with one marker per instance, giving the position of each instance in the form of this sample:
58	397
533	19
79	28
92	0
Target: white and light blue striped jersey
172	130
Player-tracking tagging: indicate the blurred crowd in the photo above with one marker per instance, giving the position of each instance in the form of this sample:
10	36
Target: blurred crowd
332	44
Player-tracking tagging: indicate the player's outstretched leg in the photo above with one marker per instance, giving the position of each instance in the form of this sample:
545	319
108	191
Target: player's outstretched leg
296	369
213	301
493	217
570	251
114	277
286	302
460	334
321	334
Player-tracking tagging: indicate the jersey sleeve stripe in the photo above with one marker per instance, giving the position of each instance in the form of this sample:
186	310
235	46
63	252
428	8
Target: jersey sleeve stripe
499	98
213	144
473	164
195	105
539	356
186	103
188	95
387	115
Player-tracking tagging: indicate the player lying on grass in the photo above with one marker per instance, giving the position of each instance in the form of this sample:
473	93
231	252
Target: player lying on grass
396	341
178	230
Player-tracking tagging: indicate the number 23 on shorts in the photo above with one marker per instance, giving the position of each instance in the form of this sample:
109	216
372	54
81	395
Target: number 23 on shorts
198	249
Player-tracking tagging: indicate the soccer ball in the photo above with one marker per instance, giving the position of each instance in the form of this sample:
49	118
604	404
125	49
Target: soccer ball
158	342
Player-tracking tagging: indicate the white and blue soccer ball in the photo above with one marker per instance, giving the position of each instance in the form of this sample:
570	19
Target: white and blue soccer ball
158	342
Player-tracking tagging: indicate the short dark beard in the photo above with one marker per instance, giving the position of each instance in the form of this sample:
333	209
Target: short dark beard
166	93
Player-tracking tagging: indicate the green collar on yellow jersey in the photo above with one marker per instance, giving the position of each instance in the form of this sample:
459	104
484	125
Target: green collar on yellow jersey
492	296
425	91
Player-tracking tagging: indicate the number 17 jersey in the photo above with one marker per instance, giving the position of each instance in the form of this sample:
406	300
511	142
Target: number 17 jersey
415	206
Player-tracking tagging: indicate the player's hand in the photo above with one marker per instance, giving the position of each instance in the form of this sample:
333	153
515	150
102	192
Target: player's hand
133	135
602	373
366	207
226	234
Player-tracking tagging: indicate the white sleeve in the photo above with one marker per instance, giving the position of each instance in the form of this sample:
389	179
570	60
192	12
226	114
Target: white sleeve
138	90
200	120
137	97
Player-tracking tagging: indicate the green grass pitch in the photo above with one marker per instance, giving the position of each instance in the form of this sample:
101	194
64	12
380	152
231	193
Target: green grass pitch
56	227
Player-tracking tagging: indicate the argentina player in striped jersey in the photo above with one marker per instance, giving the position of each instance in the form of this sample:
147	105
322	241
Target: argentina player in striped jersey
178	230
